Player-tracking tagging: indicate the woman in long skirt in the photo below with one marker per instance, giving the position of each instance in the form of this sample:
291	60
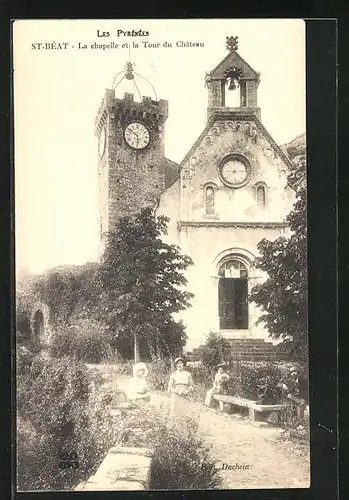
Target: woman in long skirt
180	386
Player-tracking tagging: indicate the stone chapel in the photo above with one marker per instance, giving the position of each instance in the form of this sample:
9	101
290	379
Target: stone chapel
229	191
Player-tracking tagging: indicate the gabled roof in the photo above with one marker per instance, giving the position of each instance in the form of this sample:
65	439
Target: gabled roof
234	59
171	172
224	115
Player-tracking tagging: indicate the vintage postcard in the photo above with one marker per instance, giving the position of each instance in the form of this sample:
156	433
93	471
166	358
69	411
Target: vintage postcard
161	255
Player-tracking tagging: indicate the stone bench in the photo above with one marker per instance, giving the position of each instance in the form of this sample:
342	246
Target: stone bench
256	412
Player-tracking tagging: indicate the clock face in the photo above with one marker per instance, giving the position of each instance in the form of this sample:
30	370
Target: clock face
101	142
137	135
234	172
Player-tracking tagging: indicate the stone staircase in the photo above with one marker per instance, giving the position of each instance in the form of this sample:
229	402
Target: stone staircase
252	350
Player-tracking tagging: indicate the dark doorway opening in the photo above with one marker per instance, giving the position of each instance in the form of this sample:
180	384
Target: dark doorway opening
233	296
38	325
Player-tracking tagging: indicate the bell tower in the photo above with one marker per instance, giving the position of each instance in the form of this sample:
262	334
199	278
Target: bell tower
130	136
231	74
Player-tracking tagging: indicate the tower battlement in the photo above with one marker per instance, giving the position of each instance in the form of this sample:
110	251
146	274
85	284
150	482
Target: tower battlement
147	108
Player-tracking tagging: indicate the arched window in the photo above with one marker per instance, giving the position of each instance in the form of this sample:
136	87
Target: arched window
233	268
261	196
233	295
209	200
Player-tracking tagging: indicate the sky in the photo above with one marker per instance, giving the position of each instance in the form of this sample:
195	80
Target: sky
57	93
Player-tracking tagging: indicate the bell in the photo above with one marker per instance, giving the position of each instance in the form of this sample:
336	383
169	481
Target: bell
232	85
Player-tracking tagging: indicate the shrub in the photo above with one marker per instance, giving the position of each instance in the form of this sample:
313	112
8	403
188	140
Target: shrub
181	458
59	411
250	380
203	380
159	374
255	381
86	341
213	351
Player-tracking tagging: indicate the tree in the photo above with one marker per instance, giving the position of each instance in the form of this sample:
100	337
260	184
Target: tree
283	296
142	280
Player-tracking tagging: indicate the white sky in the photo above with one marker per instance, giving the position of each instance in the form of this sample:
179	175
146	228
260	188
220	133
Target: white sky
57	94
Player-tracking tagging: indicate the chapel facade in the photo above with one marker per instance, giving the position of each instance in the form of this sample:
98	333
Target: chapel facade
229	192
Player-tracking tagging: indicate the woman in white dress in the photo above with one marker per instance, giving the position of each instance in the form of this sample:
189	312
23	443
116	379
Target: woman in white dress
138	388
180	386
220	377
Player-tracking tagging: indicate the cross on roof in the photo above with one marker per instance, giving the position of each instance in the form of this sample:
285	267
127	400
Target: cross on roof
232	43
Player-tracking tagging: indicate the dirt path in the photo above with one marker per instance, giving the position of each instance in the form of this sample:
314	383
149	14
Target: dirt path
265	461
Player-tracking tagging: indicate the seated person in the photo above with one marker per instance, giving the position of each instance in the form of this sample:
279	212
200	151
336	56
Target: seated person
138	388
217	388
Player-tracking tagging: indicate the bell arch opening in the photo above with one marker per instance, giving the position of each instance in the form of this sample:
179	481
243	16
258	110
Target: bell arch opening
232	98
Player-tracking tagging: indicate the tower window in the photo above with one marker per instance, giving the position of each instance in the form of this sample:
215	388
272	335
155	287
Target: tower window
261	196
209	200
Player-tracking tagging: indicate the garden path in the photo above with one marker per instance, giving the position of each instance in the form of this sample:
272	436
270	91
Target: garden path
273	462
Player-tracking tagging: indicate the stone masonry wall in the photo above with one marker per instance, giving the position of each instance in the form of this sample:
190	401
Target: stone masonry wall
131	179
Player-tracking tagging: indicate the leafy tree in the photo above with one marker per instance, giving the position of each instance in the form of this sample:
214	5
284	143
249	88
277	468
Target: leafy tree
142	279
283	296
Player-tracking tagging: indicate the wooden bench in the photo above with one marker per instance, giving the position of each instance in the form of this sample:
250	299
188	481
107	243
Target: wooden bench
256	412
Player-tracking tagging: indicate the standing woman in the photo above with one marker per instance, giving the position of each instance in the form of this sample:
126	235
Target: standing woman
180	386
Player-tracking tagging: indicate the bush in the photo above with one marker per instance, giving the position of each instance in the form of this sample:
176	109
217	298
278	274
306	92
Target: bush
159	374
181	459
213	351
250	380
86	341
59	412
203	380
255	381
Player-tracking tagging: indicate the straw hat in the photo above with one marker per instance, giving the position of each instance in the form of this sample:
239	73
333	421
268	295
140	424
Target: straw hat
221	365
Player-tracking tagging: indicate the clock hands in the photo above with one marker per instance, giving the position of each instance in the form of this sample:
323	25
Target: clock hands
137	135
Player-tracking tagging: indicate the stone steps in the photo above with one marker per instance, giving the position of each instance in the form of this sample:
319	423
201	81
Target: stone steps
252	349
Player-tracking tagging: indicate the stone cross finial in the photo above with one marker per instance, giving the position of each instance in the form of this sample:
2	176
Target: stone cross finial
232	43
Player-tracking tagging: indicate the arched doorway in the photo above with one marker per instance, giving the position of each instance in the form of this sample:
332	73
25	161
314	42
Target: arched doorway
38	325
233	295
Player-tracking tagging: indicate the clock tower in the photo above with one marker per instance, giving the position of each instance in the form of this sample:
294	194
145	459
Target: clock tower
131	163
